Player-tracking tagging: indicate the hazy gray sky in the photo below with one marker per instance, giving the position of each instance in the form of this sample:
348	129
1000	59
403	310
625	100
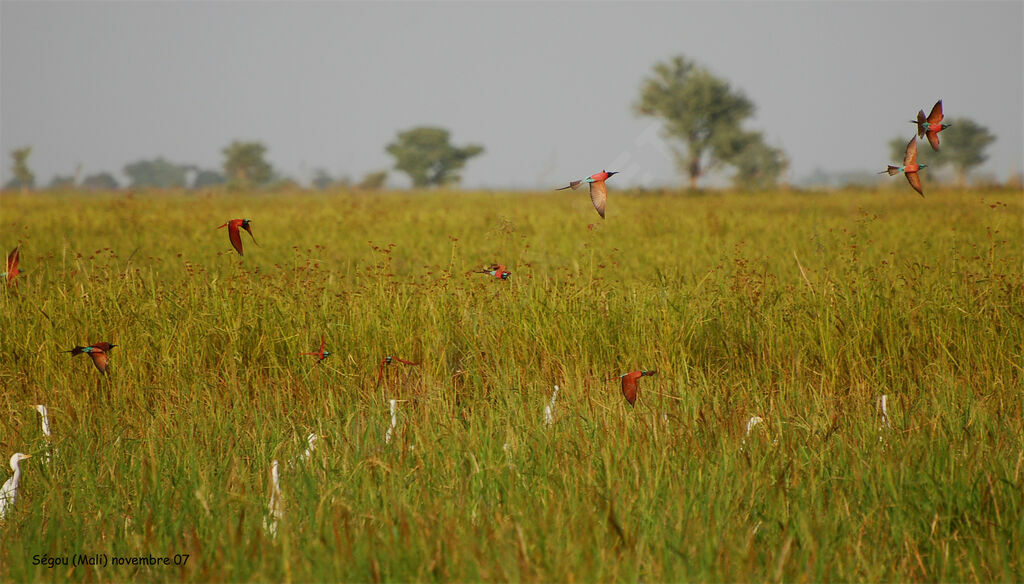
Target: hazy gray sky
546	87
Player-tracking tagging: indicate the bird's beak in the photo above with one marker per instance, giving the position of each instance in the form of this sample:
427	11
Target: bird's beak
27	456
223	226
923	166
613	172
112	346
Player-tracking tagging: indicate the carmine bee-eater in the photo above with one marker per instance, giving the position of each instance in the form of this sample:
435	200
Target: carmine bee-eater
96	351
629	383
496	270
321	354
598	190
910	166
932	125
13	259
387	361
235	236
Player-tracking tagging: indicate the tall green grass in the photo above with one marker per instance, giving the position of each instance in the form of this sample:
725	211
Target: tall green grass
802	309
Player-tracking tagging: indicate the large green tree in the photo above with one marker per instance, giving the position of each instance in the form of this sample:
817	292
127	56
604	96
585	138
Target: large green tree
245	165
428	157
757	165
157	173
23	178
962	146
701	113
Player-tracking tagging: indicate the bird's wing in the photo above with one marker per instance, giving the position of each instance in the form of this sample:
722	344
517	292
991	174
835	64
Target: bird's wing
911	155
629	388
915	181
404	362
323	345
248	227
573	185
235	237
936	114
99	359
380	372
13	259
599	196
933	139
920	123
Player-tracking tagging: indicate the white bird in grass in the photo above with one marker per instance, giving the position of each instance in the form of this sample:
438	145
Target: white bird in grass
393	406
46	425
9	492
311	439
274	506
549	410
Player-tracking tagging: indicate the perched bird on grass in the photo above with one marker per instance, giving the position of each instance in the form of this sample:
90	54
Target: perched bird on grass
630	382
13	259
496	270
275	506
598	190
235	235
910	166
321	354
9	492
387	361
932	125
97	352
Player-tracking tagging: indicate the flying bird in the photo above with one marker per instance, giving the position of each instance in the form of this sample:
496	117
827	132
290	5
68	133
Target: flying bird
932	125
387	361
13	259
235	235
598	190
496	270
96	351
321	354
9	492
910	166
629	383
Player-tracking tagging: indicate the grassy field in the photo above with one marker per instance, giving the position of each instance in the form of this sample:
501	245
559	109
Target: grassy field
800	308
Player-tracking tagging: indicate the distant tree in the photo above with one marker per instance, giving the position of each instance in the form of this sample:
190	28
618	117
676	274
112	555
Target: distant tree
157	173
373	181
757	165
23	178
427	156
101	181
962	146
244	164
207	178
321	180
701	111
61	182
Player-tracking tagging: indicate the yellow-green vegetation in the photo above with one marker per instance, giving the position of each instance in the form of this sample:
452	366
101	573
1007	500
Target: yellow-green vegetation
803	309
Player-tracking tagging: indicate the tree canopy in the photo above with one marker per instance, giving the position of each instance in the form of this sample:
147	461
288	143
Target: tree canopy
23	178
704	114
245	165
157	173
428	157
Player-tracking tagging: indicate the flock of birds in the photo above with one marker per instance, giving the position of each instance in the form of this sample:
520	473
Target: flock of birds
927	126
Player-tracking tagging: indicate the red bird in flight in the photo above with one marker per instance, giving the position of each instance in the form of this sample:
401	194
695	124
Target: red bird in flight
235	235
387	361
13	259
932	125
96	351
496	270
598	190
321	354
629	383
910	166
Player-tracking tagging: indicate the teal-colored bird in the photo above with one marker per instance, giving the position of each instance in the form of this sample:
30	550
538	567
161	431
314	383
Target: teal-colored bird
910	166
598	190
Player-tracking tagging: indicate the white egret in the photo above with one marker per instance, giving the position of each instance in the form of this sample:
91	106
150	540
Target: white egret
883	411
549	410
274	506
394	420
9	492
45	413
753	421
46	418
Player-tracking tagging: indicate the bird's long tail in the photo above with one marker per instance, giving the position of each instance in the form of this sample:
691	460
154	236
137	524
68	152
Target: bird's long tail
76	351
573	185
891	170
